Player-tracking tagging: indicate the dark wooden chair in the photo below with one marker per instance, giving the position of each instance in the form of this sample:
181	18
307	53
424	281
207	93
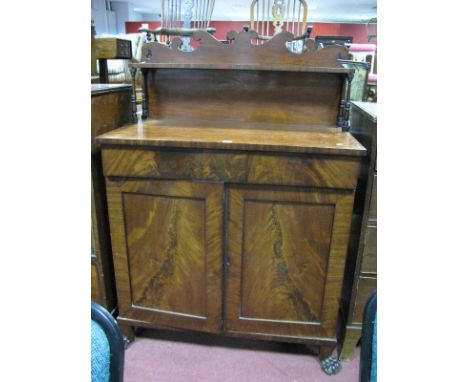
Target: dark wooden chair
368	366
114	338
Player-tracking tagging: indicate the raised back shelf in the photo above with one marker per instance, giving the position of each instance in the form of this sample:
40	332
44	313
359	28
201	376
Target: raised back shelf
244	82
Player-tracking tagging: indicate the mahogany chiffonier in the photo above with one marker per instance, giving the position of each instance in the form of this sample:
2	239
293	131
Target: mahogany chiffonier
230	205
363	271
110	108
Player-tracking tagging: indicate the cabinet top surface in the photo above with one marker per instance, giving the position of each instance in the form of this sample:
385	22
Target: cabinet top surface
369	108
108	88
231	136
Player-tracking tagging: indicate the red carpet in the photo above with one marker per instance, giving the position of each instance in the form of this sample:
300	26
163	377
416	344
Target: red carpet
186	357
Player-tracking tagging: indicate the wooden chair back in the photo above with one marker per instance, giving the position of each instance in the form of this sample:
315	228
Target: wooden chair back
270	17
358	91
182	17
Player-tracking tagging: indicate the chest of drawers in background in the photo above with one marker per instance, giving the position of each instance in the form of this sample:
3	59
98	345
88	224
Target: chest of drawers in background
110	108
364	274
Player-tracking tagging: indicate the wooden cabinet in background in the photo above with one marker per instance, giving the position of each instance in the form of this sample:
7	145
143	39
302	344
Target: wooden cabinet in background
364	264
110	108
107	48
230	207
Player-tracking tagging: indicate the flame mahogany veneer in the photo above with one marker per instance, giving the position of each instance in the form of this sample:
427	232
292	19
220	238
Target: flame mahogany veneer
230	207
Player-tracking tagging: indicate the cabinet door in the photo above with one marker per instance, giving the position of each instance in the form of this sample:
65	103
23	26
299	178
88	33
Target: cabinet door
167	250
286	252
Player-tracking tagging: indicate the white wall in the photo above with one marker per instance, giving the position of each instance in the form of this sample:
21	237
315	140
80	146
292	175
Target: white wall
112	20
123	12
148	17
139	16
99	15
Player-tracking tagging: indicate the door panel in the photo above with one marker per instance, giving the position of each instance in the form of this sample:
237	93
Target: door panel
167	239
166	252
286	253
286	260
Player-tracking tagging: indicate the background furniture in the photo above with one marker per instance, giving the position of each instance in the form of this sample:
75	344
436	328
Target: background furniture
182	18
107	48
94	73
372	87
118	69
363	53
363	266
110	108
271	17
368	361
107	347
359	83
230	210
333	40
367	53
371	29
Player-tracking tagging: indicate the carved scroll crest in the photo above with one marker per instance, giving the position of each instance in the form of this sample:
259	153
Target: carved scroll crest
241	53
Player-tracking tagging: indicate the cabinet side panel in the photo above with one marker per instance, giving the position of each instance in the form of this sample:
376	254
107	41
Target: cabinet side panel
95	293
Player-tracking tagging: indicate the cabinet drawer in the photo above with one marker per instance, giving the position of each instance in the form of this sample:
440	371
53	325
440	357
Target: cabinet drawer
365	287
369	255
234	167
373	200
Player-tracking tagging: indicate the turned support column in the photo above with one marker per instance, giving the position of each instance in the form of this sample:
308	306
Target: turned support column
347	108
345	104
133	97
144	96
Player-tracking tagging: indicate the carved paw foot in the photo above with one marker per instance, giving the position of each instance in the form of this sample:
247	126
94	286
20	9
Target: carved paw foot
331	365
